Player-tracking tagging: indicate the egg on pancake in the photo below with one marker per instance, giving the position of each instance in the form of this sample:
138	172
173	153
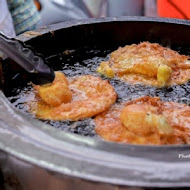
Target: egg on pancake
147	63
146	120
74	99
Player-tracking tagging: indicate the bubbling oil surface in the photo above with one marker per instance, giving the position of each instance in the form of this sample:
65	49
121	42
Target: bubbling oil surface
85	62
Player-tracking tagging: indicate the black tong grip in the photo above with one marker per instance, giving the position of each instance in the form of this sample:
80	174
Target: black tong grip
28	59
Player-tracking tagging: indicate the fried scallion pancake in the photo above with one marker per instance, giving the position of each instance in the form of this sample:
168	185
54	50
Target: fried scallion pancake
147	63
146	120
79	98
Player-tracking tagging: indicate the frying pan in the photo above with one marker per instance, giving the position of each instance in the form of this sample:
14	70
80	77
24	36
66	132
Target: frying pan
36	156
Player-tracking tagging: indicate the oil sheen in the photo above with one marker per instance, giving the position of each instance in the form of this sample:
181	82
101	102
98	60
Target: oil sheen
85	62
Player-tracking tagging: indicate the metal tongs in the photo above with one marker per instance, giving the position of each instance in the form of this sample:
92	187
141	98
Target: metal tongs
27	59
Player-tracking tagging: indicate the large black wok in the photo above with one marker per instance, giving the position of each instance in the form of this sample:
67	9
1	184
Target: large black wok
35	155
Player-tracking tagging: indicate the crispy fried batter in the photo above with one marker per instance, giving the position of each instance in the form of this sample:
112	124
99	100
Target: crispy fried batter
57	92
148	63
146	120
90	96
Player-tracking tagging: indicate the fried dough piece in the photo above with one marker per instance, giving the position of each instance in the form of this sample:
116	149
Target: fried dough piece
147	63
57	92
90	96
146	120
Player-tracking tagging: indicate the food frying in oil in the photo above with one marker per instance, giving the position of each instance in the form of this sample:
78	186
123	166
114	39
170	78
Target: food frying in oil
77	98
147	63
146	120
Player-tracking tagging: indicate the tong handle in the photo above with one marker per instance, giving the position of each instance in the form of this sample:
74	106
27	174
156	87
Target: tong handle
27	59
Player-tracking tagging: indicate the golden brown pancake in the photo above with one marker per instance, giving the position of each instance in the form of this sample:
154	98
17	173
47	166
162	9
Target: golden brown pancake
147	63
146	120
78	98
